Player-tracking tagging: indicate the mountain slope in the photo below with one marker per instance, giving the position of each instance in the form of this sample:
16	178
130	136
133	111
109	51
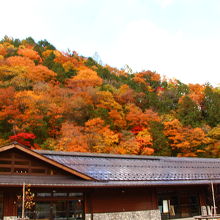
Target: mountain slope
62	101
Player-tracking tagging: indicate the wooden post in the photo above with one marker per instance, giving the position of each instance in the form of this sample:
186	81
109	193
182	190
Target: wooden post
23	201
213	198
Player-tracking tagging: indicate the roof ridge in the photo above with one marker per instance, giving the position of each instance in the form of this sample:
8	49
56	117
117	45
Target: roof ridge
124	156
100	155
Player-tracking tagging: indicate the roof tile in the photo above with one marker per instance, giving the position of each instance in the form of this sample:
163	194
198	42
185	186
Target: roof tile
134	168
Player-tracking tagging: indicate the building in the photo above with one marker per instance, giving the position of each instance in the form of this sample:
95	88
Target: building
102	187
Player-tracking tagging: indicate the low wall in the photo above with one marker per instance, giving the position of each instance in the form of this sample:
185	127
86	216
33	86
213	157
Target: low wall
10	218
136	215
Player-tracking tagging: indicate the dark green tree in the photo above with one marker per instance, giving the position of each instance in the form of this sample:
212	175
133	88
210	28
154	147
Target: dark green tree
160	141
211	106
189	112
62	75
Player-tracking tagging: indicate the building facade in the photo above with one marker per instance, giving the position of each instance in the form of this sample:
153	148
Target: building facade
80	186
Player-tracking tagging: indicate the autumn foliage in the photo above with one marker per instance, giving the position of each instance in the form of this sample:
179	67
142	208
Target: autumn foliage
57	100
23	138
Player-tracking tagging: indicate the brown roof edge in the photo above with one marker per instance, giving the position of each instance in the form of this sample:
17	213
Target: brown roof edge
109	185
45	159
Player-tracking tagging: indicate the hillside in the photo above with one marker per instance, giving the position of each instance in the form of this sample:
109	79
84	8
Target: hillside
62	101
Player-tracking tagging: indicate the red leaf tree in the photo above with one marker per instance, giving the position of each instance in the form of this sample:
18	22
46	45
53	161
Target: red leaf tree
26	139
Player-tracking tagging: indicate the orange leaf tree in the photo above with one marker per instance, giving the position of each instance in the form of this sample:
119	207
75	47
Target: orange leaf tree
184	141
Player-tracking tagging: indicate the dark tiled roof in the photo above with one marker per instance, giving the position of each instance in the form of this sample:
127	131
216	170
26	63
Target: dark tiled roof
160	170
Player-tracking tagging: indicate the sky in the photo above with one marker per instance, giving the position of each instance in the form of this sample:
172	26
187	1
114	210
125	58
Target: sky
176	38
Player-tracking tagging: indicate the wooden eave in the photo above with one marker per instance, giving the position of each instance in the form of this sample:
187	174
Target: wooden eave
45	159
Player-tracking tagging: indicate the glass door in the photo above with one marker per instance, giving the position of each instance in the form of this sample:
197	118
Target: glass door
60	210
75	210
42	210
56	206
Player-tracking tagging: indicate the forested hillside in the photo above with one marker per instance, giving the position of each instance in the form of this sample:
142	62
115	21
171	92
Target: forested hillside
62	101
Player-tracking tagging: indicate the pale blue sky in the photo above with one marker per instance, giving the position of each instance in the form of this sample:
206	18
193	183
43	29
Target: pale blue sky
176	38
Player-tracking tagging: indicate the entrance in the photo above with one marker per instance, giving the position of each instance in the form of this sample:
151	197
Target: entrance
178	205
57	206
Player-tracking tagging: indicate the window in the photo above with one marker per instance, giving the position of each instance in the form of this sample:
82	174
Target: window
57	194
44	194
75	194
21	170
56	205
